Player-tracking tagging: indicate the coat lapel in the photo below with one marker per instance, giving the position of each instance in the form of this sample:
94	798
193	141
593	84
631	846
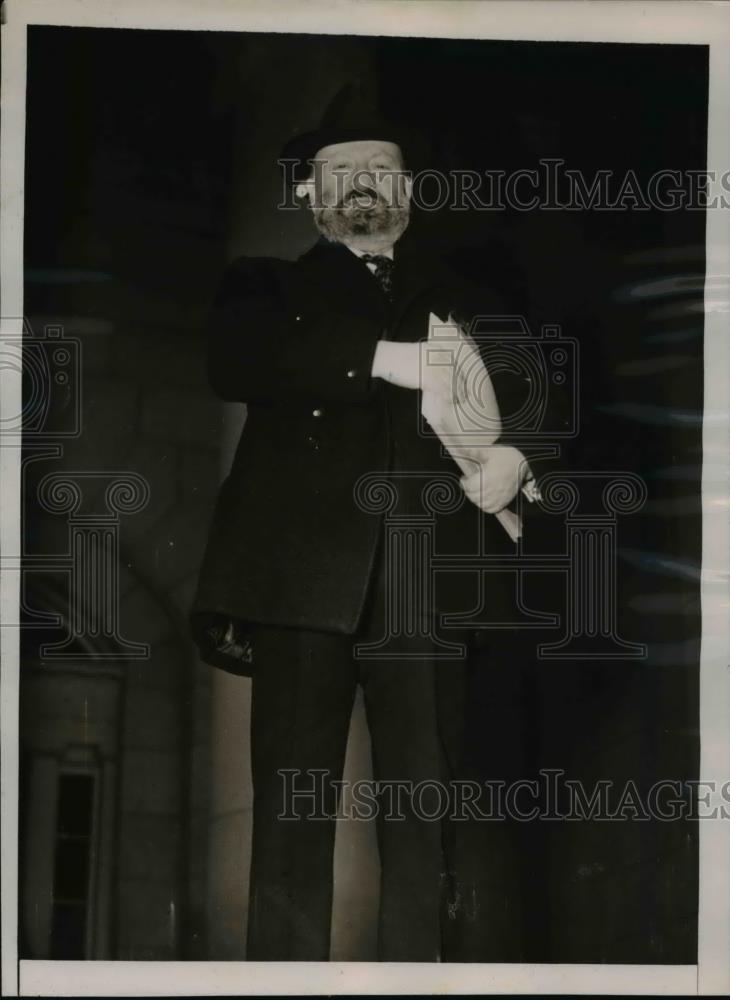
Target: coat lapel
344	283
417	284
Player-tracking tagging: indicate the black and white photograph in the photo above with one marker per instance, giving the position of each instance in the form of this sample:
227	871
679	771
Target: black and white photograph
365	492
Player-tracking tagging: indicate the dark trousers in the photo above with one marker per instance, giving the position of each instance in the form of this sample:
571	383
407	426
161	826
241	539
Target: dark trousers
304	686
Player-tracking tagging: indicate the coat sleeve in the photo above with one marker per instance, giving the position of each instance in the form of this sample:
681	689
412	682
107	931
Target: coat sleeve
263	349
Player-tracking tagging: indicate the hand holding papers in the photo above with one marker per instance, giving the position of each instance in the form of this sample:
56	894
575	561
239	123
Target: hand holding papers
461	407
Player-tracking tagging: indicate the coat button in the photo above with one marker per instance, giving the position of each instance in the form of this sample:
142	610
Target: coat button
317	413
298	318
352	373
313	442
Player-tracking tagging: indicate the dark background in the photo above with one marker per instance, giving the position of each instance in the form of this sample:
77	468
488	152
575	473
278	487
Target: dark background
150	162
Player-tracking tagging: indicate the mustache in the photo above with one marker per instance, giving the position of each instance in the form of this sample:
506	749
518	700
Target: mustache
375	199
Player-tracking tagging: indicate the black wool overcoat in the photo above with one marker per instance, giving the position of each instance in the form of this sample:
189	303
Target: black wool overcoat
289	545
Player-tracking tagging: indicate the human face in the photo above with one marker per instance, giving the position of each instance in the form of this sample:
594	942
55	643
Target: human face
359	192
358	170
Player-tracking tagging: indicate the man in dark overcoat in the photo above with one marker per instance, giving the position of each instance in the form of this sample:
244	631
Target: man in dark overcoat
299	584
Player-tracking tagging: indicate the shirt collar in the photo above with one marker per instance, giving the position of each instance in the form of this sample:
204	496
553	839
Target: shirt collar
381	253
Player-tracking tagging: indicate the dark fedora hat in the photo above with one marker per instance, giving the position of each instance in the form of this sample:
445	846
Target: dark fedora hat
351	115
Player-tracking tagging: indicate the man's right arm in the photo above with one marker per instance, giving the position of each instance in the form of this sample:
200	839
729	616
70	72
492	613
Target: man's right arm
264	348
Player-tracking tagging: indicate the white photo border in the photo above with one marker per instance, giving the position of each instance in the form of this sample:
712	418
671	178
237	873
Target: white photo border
679	22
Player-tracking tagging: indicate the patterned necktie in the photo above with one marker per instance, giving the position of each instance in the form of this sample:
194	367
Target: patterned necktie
383	270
